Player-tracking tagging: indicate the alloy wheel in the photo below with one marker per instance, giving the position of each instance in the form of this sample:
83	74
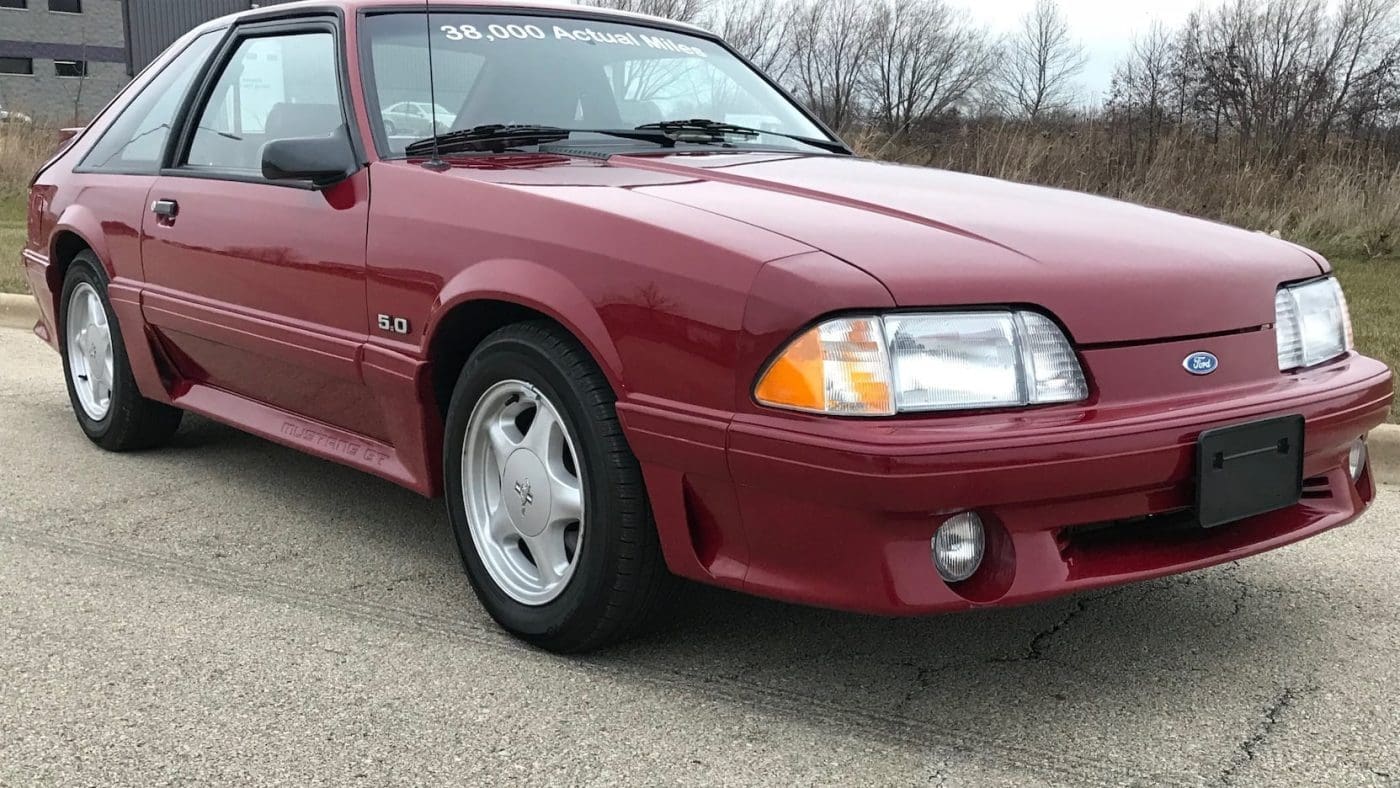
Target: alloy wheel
523	492
90	357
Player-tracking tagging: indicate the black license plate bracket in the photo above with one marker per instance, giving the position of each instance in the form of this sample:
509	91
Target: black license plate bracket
1248	470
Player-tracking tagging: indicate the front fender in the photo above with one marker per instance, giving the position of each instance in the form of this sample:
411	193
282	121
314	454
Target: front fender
537	287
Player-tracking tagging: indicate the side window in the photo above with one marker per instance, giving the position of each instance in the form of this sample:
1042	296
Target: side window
275	87
135	141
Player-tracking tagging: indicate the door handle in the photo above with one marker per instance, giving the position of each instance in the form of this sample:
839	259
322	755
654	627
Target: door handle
166	209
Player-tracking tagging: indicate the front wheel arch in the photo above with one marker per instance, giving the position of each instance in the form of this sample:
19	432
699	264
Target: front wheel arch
511	288
460	328
460	332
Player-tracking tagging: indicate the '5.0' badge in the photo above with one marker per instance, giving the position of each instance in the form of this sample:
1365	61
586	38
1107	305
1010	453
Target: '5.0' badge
394	325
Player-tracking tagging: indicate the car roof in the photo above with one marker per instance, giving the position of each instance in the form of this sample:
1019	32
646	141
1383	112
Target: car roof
553	7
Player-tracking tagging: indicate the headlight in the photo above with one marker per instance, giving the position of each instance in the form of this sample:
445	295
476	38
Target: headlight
1313	325
879	366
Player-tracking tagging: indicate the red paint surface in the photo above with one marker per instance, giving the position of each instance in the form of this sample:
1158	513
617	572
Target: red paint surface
682	275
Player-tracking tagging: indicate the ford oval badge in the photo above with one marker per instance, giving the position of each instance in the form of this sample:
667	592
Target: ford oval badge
1201	363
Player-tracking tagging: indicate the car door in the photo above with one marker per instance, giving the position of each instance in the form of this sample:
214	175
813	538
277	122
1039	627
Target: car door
257	287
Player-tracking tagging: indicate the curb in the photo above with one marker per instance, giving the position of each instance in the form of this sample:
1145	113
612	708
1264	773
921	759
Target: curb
1385	453
18	311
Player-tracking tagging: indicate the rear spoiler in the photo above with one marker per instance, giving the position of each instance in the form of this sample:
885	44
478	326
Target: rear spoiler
66	136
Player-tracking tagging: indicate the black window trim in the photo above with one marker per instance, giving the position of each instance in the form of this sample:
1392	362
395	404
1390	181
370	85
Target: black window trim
182	140
366	59
24	7
83	167
79	12
83	64
28	73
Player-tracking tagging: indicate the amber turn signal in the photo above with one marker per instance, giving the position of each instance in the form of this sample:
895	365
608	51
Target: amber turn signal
840	367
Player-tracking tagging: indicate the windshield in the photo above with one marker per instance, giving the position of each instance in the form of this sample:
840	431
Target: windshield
569	73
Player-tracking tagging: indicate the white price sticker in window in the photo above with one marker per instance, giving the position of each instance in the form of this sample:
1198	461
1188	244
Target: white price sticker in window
513	32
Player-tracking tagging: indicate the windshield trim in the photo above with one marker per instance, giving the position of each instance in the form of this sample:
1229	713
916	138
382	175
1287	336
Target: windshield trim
371	95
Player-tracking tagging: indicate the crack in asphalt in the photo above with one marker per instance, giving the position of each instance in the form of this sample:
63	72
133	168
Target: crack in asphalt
1035	650
887	725
940	773
923	675
1258	738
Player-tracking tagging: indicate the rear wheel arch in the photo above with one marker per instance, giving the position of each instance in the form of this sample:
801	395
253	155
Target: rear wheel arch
63	248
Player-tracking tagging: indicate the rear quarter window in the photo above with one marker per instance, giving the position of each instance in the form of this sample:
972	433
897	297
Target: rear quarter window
135	142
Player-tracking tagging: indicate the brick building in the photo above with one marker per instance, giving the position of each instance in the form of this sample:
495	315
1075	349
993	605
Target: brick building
63	60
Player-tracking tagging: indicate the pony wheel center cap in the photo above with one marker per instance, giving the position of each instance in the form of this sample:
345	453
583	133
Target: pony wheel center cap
525	492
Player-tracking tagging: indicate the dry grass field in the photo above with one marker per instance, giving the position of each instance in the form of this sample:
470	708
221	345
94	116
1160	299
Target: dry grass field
1341	201
1348	209
22	150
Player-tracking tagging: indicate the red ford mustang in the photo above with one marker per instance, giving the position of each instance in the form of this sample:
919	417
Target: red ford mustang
636	314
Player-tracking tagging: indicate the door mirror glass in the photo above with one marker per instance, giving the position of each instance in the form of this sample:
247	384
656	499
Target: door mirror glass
324	161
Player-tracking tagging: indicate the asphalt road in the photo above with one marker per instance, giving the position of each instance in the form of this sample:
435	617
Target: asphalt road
229	610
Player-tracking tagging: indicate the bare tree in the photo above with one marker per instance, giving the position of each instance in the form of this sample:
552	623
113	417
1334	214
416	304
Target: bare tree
1040	63
1144	83
76	80
679	10
1365	39
924	59
758	30
831	40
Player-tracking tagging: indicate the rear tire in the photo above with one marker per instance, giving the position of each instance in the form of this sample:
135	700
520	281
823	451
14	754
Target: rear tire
511	486
108	404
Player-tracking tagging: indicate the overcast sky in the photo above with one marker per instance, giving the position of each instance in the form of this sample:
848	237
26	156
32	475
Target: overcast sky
1104	26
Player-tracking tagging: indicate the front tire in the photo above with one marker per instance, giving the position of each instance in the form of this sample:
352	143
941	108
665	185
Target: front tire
545	497
108	404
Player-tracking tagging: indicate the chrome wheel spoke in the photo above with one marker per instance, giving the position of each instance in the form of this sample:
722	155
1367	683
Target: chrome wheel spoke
95	314
550	553
500	528
502	445
102	342
543	431
568	502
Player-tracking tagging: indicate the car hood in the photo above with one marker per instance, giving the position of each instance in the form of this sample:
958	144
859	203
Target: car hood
1111	271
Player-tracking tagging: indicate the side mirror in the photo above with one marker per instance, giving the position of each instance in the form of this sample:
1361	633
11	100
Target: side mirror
325	161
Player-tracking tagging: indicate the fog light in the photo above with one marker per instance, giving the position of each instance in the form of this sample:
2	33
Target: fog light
958	546
1357	460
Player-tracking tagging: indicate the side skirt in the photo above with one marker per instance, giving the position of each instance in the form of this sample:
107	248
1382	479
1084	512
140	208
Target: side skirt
311	437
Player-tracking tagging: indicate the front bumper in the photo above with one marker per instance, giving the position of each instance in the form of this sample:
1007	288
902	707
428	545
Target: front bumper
839	513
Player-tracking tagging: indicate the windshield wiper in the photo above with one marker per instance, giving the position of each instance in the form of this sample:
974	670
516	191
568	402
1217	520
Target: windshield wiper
495	137
701	129
499	137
